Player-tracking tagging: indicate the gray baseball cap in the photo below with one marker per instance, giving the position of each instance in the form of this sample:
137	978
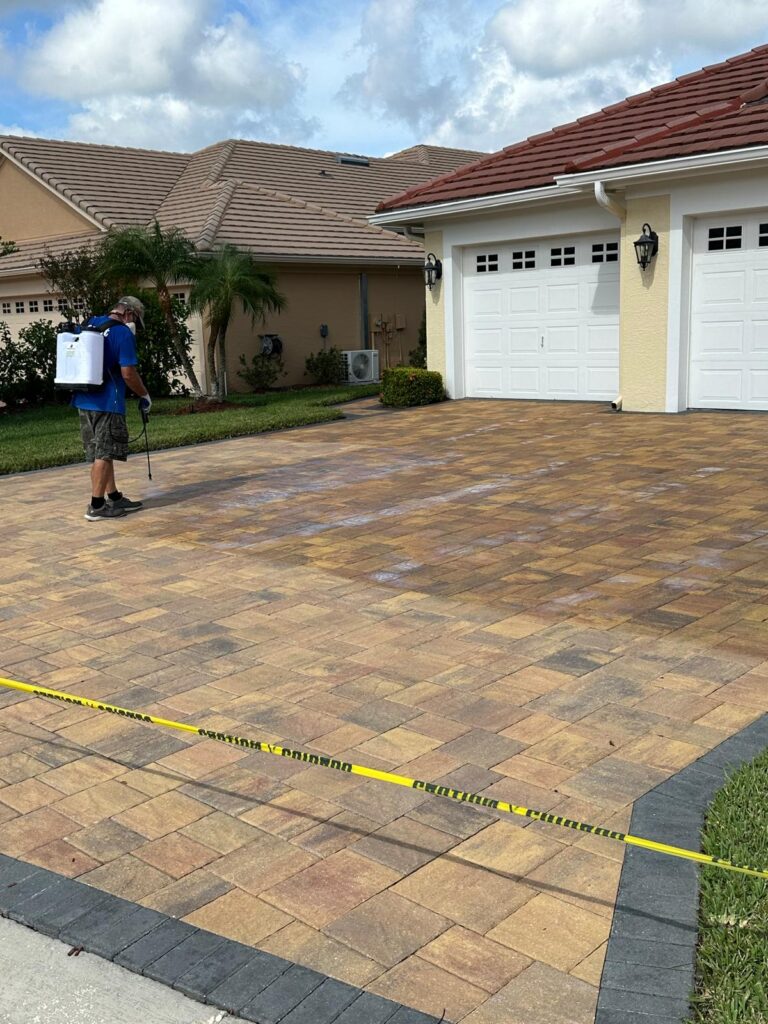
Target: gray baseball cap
135	305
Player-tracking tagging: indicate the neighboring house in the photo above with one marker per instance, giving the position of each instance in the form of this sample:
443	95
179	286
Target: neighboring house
541	293
302	211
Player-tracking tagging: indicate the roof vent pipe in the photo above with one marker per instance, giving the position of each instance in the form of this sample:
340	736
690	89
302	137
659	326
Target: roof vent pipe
609	203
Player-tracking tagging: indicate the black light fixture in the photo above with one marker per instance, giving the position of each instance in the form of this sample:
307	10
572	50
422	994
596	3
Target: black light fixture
646	246
433	270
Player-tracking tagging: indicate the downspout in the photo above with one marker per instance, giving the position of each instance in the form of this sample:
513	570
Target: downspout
619	210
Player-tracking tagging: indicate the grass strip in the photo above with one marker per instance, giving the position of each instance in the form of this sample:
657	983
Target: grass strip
732	958
44	436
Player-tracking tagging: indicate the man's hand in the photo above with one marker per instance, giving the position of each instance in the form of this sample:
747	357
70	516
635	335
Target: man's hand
145	404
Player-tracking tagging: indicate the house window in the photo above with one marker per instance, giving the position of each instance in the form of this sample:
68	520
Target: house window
724	238
181	296
524	259
7	308
47	305
562	256
19	307
33	306
763	235
61	305
605	252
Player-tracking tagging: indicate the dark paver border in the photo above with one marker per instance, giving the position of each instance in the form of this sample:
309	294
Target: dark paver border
648	976
228	975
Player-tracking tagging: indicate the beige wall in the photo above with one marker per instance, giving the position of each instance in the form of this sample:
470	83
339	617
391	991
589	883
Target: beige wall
29	210
433	242
644	303
331	295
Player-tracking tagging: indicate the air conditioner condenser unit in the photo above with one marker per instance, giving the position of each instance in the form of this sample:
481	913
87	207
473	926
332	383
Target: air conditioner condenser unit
361	366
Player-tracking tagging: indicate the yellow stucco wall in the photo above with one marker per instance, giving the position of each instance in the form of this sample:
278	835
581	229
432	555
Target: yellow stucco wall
644	298
29	210
433	242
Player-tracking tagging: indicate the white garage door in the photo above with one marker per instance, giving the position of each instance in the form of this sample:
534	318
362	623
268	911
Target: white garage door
729	313
542	319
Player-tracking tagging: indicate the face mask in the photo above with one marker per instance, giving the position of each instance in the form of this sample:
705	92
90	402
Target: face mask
132	329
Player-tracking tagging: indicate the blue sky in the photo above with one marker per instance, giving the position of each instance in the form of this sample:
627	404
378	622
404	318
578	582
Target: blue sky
366	76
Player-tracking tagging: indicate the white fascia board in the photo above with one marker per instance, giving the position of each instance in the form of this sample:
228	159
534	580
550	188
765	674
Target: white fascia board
722	160
54	192
411	214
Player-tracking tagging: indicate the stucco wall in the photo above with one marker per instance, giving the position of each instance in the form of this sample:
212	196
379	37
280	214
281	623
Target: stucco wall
644	298
28	210
433	242
331	295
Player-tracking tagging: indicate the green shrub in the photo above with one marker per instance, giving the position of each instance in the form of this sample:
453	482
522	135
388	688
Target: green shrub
327	367
159	363
263	372
27	363
408	385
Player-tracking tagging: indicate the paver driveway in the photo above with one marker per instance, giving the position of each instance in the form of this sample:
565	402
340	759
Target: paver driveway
546	603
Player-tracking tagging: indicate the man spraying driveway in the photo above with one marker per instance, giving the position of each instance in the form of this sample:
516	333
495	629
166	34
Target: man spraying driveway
103	426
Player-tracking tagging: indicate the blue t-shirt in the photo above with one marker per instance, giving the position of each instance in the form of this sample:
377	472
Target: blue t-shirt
119	350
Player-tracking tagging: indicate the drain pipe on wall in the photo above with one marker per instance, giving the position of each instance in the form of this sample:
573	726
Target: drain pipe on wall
619	210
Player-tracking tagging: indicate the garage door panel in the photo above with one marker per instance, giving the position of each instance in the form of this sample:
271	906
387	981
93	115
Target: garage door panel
562	298
758	388
719	386
723	287
524	340
488	342
720	337
560	322
602	381
563	381
603	296
526	380
487	302
760	285
760	336
562	340
601	339
523	300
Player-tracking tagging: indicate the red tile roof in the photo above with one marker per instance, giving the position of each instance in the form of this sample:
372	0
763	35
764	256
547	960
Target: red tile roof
723	106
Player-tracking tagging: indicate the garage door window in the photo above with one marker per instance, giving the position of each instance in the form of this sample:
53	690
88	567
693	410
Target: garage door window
763	236
605	252
562	256
727	237
523	259
488	263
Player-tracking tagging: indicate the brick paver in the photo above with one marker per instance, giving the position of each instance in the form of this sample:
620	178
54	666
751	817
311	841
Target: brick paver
546	603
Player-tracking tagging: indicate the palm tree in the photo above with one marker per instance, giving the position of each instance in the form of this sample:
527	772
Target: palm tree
164	258
230	275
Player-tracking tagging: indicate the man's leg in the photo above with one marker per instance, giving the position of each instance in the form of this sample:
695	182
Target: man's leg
102	477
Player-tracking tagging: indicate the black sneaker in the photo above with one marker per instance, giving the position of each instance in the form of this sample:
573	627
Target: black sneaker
105	512
125	504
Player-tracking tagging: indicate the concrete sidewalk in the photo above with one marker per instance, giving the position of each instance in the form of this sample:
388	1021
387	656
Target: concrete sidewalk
42	985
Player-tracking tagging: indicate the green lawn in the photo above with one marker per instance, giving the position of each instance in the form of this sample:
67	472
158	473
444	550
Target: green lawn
732	965
49	436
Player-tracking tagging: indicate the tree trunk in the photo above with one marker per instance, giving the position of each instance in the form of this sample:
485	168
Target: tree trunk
213	378
222	381
167	308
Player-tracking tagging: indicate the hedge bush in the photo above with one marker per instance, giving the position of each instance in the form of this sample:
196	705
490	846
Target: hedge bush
408	385
327	367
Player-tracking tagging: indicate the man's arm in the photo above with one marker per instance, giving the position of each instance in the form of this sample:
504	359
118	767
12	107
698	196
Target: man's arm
134	381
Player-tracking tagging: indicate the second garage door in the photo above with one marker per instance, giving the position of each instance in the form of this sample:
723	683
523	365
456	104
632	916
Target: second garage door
542	319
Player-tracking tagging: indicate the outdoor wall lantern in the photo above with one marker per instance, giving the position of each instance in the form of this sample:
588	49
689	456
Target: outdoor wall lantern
646	246
433	270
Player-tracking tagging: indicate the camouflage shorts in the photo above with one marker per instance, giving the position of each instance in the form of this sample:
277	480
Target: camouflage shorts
104	435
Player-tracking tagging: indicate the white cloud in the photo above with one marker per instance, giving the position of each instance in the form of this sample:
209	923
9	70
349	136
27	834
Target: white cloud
562	36
166	74
492	74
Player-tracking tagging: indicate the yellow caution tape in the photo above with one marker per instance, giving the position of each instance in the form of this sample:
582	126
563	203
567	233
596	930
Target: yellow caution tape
398	780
